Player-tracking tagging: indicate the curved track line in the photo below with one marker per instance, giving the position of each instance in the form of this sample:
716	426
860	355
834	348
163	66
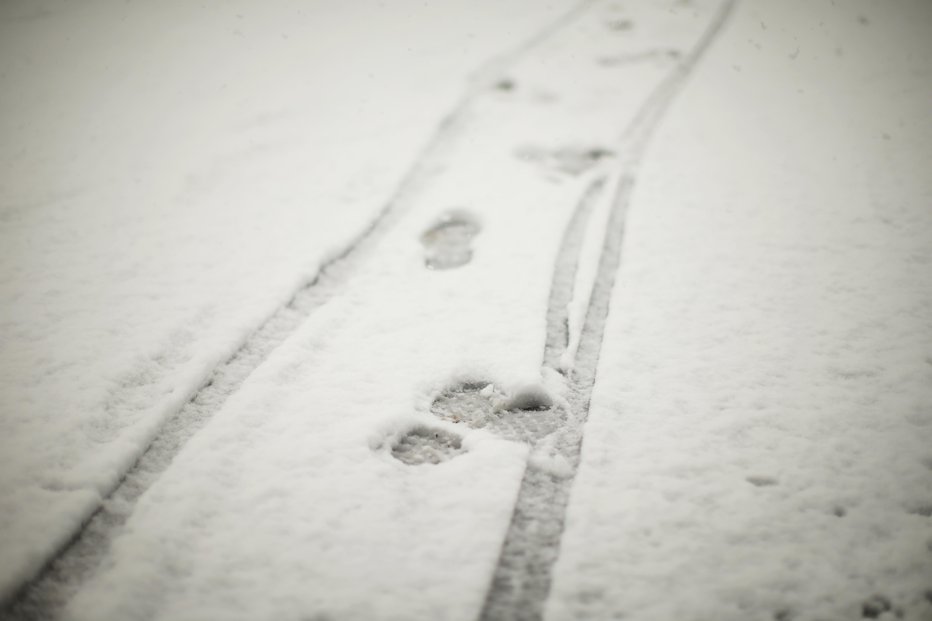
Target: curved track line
521	582
562	287
45	595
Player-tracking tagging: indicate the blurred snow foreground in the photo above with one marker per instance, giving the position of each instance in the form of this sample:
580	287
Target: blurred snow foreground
499	310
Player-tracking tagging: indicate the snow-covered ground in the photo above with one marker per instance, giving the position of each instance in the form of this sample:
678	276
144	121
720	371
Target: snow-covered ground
760	439
387	213
171	174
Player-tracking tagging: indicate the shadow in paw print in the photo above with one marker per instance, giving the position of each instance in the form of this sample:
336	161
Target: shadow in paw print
447	242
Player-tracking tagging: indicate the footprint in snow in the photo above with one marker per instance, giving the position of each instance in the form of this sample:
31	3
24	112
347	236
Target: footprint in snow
426	445
529	415
447	242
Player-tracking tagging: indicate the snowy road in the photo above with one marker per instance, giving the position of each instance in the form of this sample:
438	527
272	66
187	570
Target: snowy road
710	222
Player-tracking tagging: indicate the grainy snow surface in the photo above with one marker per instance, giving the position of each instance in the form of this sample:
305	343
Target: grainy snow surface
299	299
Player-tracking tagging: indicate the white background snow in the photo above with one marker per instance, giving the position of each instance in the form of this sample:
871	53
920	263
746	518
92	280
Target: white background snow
760	438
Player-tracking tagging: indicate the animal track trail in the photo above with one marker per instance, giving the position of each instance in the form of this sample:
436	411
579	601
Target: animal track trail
447	244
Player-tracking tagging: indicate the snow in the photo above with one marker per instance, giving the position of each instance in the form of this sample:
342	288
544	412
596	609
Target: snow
306	450
759	436
172	174
757	445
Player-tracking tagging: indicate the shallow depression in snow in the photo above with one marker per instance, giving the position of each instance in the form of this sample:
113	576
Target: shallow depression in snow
424	445
447	242
527	416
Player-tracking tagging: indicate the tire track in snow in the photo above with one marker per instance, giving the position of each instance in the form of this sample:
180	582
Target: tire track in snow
564	275
521	581
45	595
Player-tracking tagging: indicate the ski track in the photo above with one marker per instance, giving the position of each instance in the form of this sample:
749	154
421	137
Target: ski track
45	595
521	581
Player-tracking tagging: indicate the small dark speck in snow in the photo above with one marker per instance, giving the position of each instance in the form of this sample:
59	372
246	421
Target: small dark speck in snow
784	614
875	606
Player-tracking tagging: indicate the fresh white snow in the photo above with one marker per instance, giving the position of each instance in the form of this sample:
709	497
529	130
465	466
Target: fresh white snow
758	444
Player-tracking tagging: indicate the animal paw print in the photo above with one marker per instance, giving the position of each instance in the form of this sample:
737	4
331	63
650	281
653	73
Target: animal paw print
447	242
